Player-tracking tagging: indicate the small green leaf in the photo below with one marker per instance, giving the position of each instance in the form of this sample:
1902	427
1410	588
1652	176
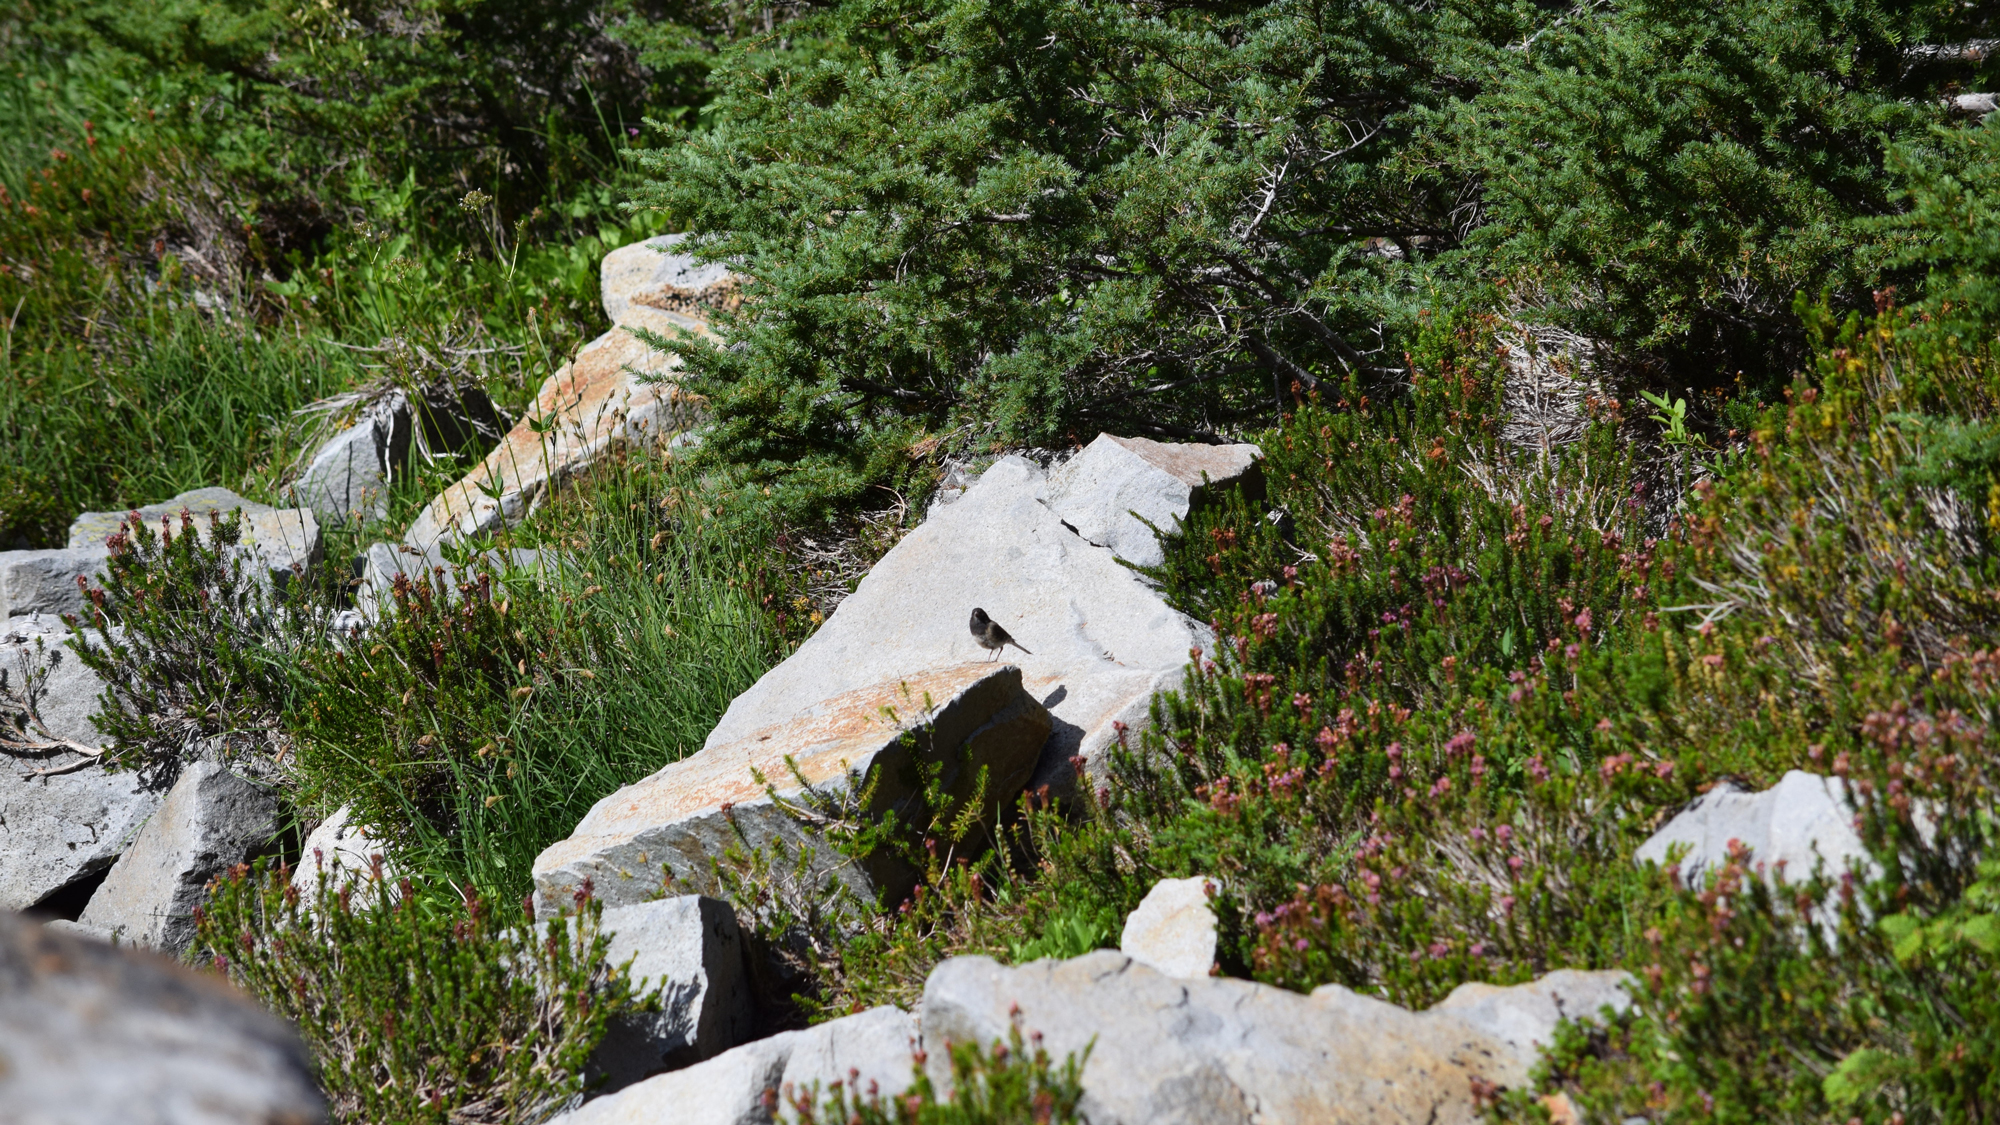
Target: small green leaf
1858	1075
1905	933
1983	931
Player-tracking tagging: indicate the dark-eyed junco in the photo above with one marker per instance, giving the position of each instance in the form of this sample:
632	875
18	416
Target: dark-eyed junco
990	635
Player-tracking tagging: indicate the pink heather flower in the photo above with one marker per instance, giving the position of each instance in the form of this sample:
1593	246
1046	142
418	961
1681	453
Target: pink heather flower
1300	945
1478	834
1663	770
1583	621
1514	864
1394	752
1506	904
1438	950
1505	833
1460	743
1440	787
1604	726
1478	949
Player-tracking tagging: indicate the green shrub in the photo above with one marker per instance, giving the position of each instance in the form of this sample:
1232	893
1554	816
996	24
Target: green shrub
417	1011
1013	1083
192	642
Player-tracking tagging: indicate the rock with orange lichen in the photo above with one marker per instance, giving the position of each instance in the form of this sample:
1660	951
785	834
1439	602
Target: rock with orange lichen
599	401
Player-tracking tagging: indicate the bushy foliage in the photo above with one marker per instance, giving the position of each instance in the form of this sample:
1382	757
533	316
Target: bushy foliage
192	641
414	1011
1012	1083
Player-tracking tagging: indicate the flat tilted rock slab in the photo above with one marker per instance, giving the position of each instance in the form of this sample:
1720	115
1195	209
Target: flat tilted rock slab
962	717
1165	1051
1103	641
1112	490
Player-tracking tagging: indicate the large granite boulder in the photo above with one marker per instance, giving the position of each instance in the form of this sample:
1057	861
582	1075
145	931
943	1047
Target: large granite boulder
656	274
91	1035
1112	491
63	816
961	719
1789	828
750	1085
689	950
44	582
1101	640
284	540
211	820
1167	1051
595	403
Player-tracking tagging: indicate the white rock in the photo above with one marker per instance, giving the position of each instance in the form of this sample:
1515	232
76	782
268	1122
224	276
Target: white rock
1102	641
1166	1051
746	1086
340	852
1117	485
93	1035
655	274
1173	928
962	718
1789	828
211	820
57	828
689	949
348	477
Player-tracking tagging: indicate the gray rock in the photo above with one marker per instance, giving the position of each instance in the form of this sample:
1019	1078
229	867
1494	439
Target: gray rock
963	718
284	541
1524	1016
1165	1051
348	477
748	1085
1173	928
91	1035
91	529
655	273
74	819
1103	641
689	949
1116	486
211	820
45	581
1788	828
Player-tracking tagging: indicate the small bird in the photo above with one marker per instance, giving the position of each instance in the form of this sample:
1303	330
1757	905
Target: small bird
990	635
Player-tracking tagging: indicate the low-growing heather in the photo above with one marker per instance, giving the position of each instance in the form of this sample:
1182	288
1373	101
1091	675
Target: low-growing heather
416	1010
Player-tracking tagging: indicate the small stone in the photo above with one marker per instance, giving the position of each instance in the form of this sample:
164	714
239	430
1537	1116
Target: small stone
1173	928
1789	828
340	852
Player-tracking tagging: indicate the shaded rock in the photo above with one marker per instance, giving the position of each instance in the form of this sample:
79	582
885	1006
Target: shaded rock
349	476
284	540
963	717
1103	641
91	1035
655	274
211	820
745	1086
1173	928
592	405
1789	828
74	819
341	852
45	581
689	948
1118	485
1165	1051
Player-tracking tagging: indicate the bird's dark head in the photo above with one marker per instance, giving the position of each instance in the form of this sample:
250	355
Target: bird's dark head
979	617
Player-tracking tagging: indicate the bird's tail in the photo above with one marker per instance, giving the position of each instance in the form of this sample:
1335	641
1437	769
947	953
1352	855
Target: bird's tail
1017	644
